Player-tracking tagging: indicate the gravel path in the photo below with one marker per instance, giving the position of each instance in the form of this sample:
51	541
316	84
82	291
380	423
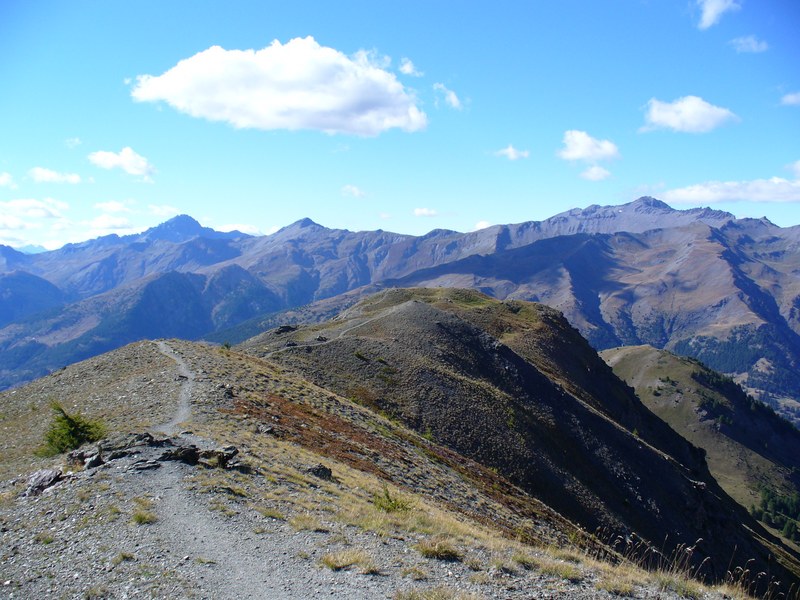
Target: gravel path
184	409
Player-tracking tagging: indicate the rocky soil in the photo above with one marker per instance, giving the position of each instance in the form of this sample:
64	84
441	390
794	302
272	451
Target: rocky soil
172	513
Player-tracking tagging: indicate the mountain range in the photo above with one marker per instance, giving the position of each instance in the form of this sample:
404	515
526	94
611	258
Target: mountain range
697	282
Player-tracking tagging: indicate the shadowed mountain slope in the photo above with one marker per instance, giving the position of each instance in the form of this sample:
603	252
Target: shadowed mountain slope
748	448
683	289
462	369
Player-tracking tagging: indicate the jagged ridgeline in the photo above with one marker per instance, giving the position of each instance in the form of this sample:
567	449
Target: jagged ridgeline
514	387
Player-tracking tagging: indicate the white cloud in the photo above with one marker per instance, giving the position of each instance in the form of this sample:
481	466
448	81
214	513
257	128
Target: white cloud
384	215
579	145
450	96
481	225
6	180
163	210
127	160
795	168
775	189
512	153
114	206
297	85
689	114
109	224
407	68
749	43
31	208
72	142
42	175
425	212
29	215
595	173
352	190
791	99
712	11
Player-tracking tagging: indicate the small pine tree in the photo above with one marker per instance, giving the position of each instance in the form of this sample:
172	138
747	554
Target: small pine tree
68	432
790	530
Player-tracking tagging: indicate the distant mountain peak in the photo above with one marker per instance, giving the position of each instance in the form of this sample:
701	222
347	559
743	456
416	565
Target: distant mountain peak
301	225
650	203
183	228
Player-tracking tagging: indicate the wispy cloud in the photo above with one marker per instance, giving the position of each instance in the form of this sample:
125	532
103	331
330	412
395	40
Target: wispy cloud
579	145
353	191
449	95
72	142
6	180
689	114
512	153
42	175
115	206
163	210
711	11
21	216
107	223
297	85
749	44
127	160
595	173
407	68
792	99
774	189
425	212
481	225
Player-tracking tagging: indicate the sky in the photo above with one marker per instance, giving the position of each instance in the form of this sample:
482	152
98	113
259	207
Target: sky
118	115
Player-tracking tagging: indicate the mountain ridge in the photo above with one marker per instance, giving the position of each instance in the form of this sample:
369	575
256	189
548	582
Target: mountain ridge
635	273
496	412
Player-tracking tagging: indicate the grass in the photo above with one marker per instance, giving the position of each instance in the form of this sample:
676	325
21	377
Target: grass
389	503
439	548
434	593
122	557
44	538
307	522
524	560
345	559
561	570
416	573
143	517
616	583
270	513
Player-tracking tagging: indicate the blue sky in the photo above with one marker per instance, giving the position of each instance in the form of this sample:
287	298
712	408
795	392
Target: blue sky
406	117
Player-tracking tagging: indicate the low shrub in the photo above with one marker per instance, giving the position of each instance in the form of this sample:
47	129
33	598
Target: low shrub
67	432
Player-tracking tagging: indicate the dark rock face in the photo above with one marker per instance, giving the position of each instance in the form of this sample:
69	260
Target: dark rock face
321	471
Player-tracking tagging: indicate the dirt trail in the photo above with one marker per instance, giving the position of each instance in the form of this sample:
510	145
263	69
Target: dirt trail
339	335
184	409
223	556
